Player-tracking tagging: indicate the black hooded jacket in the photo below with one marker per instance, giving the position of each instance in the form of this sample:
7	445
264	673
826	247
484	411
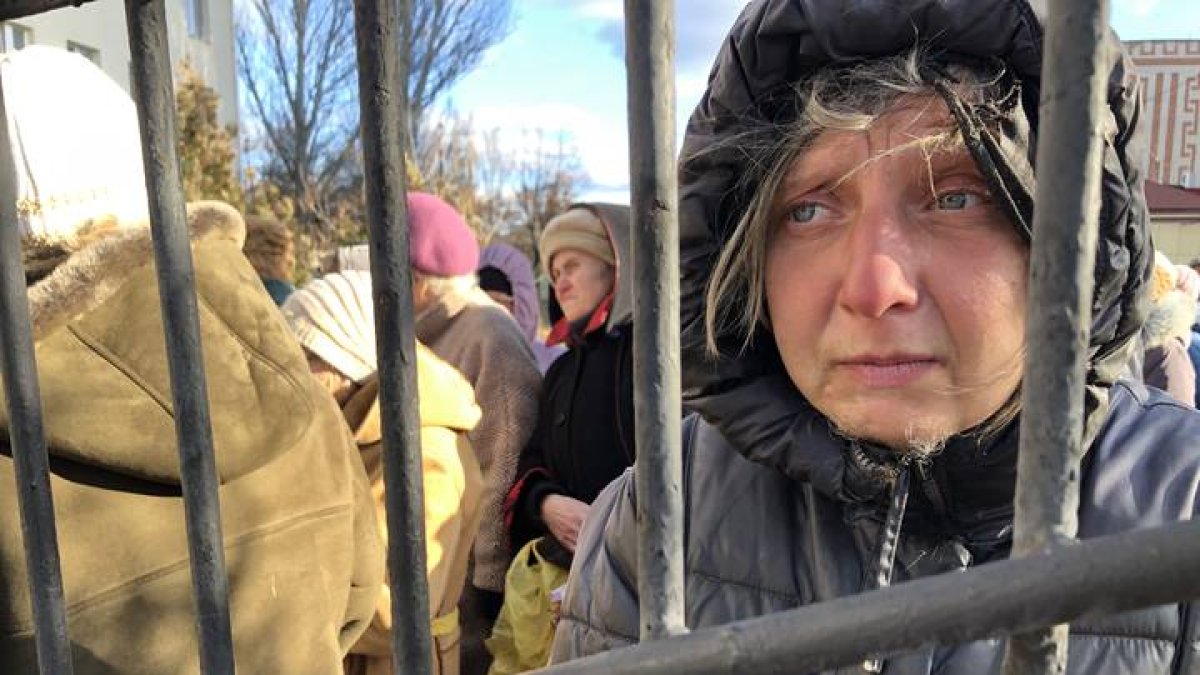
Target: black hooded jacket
780	511
584	433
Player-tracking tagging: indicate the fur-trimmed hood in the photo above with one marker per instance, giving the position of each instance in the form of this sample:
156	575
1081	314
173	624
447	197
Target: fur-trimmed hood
101	357
1169	318
96	268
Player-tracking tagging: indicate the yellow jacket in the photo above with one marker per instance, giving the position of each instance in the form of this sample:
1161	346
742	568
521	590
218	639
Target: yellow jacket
453	485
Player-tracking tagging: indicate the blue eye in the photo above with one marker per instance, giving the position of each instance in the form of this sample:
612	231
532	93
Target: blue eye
803	213
957	201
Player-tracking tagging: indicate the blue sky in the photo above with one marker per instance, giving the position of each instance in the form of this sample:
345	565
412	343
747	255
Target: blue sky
562	73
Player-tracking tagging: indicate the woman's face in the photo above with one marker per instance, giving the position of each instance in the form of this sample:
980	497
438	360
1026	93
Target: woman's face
895	286
339	386
581	281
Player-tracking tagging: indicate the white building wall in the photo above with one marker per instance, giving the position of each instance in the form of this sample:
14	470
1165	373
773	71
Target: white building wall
100	25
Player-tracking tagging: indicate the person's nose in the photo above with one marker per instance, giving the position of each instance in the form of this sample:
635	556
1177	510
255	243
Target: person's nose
880	263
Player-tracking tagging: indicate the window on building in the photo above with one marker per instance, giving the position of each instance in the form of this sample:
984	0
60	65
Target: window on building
90	53
196	12
14	36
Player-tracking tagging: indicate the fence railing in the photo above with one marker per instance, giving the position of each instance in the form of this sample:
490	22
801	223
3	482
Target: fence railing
1045	585
26	437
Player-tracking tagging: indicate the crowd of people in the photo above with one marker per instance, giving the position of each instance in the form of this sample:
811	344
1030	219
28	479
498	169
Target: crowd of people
856	203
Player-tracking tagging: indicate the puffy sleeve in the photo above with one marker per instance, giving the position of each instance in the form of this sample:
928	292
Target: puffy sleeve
600	610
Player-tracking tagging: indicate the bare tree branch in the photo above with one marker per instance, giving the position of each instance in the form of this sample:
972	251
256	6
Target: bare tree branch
296	62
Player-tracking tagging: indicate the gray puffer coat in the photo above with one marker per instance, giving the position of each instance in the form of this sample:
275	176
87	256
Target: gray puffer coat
759	540
780	511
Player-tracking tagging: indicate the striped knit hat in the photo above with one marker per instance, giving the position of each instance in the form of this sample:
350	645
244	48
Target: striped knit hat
333	317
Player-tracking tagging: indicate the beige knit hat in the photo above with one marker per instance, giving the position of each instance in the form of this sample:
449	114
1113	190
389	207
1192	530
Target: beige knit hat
333	318
578	228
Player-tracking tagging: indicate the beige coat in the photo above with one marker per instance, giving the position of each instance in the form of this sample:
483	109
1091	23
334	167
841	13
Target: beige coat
301	546
453	486
484	343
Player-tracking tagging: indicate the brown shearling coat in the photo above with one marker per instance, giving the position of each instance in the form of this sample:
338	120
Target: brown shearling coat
304	559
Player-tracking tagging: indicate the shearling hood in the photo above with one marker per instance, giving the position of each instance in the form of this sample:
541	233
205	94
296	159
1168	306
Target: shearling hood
776	43
102	361
97	268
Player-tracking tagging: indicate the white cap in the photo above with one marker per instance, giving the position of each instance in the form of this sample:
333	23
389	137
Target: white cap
75	143
333	318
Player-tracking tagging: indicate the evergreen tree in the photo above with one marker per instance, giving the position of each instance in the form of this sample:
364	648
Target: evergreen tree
207	157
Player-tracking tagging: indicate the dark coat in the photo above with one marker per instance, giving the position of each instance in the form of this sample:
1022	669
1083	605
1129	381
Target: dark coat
584	434
808	546
774	477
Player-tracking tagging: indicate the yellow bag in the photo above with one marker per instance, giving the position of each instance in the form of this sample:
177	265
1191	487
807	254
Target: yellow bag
523	632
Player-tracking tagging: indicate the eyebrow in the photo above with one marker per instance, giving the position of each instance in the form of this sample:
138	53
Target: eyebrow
943	151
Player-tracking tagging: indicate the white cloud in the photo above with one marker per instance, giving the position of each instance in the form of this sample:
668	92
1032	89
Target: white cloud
700	25
614	195
1138	7
600	142
609	10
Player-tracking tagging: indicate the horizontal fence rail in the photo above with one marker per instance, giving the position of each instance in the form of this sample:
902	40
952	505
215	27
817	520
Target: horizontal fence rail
27	439
15	9
650	62
155	98
1092	578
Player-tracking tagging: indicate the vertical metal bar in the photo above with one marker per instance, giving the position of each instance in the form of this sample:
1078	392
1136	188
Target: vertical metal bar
382	68
147	24
25	433
1061	266
650	67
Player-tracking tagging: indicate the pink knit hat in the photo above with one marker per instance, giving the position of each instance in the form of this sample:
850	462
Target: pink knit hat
440	243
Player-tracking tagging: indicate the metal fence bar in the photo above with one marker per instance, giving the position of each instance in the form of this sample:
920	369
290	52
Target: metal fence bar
1095	577
13	9
147	24
650	67
382	68
1060	296
27	440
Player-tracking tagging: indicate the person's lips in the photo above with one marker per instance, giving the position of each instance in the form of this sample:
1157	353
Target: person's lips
887	371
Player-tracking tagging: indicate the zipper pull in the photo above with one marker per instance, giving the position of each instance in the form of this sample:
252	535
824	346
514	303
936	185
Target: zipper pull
930	487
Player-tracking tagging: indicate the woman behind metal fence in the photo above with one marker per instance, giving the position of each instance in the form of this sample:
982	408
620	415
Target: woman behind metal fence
334	320
856	191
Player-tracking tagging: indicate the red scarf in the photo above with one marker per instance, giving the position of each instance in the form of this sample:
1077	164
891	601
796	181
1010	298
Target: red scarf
561	332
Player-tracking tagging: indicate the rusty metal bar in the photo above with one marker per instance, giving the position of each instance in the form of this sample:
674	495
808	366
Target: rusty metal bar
382	66
27	439
1061	266
650	67
14	9
1095	577
147	23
